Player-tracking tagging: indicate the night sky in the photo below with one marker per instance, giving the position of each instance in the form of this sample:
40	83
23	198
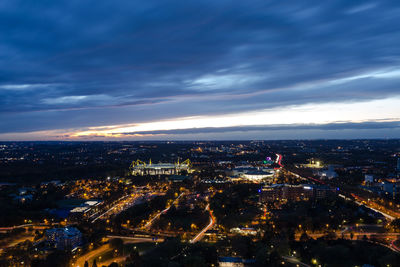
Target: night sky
191	70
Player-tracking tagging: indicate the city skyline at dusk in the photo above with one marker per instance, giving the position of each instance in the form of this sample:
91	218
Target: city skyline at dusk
199	133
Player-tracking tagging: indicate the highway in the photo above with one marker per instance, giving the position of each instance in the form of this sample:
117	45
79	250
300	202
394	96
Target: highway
380	209
279	160
296	261
38	226
394	246
389	238
356	199
121	203
13	241
95	254
133	239
90	256
355	235
124	203
200	235
372	206
152	220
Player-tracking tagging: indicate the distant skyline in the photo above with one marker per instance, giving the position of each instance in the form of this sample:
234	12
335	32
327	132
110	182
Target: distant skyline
199	70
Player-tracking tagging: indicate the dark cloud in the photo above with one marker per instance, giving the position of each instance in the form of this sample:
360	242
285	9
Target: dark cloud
73	63
325	127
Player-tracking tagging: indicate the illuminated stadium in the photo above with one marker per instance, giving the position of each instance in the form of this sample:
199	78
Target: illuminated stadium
139	167
253	173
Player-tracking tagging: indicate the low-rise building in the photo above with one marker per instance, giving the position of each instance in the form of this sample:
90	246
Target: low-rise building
369	178
235	262
391	187
328	173
179	178
244	231
286	192
85	210
64	238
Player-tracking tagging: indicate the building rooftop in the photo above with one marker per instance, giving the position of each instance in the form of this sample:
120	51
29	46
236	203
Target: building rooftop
67	231
179	177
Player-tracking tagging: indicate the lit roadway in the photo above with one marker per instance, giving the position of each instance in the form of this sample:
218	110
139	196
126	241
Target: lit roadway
11	242
296	261
123	203
16	239
200	235
279	159
118	202
39	226
129	239
149	223
91	255
355	235
380	209
95	254
394	246
358	200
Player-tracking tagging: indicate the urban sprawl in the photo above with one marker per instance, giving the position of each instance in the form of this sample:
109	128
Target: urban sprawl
249	203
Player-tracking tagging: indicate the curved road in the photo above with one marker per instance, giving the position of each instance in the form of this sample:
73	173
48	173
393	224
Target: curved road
200	235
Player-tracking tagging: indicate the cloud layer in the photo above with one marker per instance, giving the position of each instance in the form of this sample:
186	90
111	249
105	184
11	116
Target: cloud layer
79	64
